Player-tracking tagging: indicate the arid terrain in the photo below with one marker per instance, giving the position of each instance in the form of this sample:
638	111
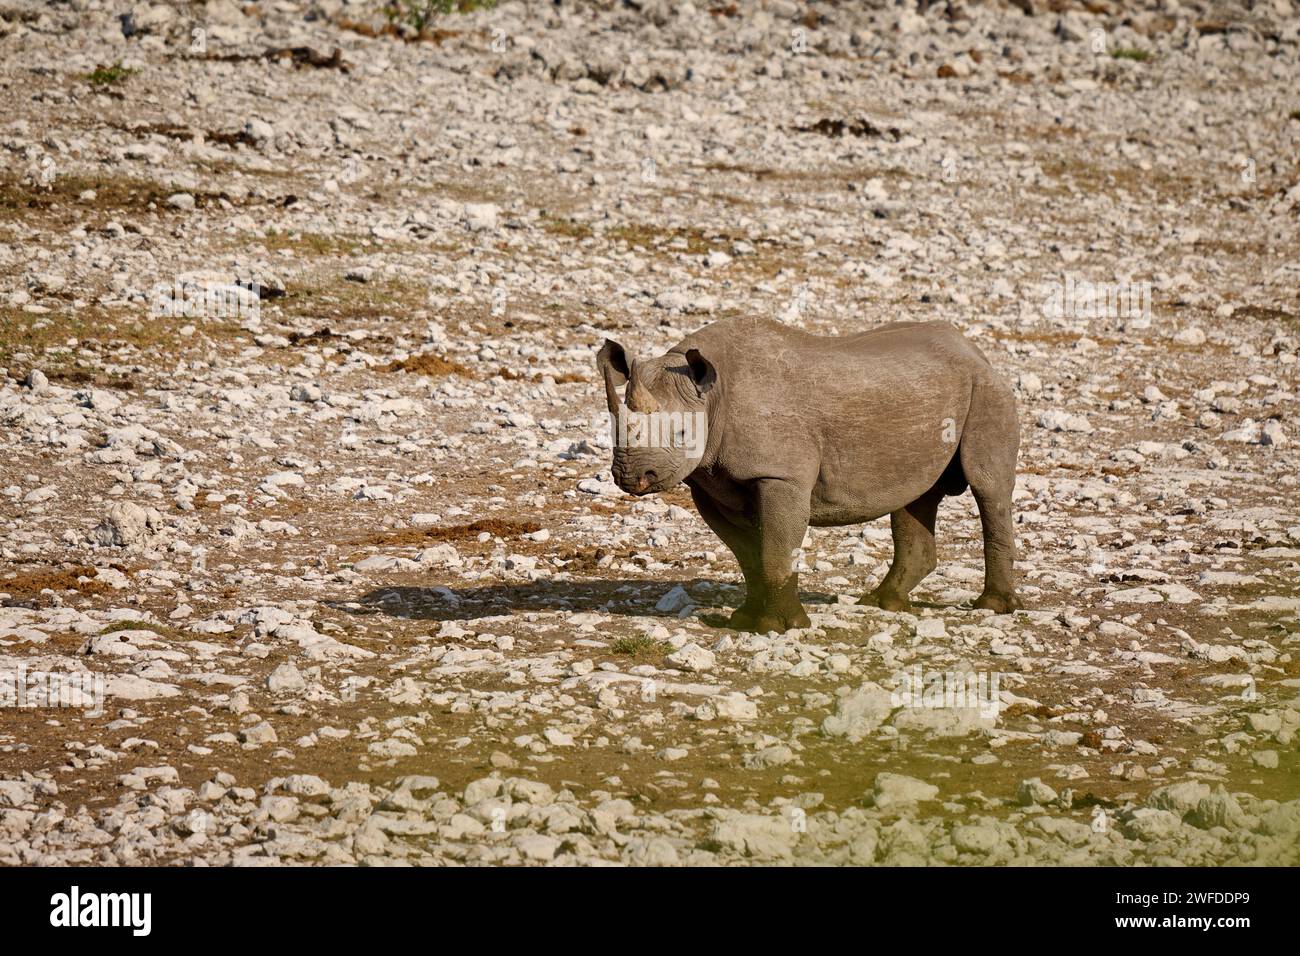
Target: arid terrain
304	458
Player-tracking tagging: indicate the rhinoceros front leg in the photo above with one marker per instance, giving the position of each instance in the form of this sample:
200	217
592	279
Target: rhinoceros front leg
742	541
782	513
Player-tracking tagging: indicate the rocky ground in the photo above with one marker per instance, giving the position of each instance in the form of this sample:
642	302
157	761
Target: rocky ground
304	457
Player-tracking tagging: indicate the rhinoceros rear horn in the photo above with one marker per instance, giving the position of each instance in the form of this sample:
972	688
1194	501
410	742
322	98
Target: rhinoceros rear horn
702	370
613	366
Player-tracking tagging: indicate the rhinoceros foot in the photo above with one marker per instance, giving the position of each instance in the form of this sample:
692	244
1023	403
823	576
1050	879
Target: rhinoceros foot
999	603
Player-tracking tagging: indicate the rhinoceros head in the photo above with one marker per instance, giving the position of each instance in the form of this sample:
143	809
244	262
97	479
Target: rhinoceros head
660	427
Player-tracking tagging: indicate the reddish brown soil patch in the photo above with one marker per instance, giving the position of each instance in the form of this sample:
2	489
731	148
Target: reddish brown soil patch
497	527
586	558
1263	314
562	378
26	586
80	376
320	335
300	55
392	30
428	363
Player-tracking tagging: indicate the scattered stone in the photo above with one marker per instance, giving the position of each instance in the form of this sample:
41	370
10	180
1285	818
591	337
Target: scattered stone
892	790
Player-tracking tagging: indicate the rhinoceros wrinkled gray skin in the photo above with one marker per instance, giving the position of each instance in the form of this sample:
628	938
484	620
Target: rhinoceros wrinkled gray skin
798	429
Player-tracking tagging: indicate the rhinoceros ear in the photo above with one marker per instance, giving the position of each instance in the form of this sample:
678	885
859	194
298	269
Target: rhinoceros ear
612	363
702	370
613	366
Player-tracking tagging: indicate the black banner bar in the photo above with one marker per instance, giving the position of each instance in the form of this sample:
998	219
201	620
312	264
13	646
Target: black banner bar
303	905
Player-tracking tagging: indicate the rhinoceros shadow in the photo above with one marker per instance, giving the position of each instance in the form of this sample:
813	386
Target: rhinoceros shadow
636	598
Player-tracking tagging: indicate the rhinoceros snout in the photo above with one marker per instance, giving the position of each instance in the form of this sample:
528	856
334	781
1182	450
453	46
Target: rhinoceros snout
635	482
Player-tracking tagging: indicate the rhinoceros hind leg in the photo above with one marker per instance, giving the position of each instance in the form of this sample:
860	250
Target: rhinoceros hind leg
914	552
989	446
